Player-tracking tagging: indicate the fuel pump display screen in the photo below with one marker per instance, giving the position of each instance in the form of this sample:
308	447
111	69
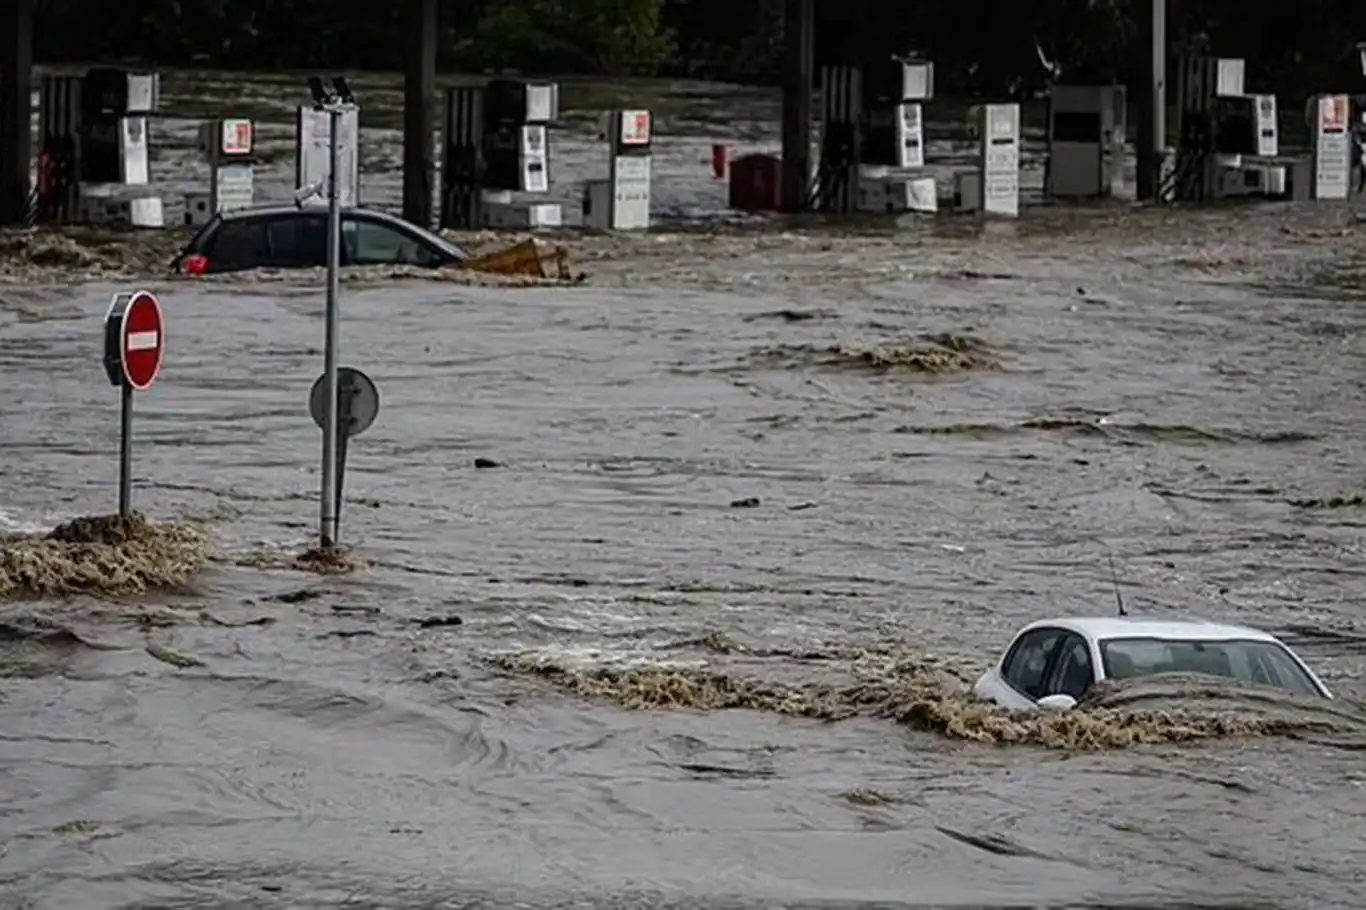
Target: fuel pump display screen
880	138
1235	126
1070	126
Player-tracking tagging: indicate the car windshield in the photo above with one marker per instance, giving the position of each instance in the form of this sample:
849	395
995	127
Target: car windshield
434	239
1253	662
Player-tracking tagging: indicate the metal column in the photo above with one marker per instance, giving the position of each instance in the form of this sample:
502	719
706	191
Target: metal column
16	108
419	89
799	51
1152	99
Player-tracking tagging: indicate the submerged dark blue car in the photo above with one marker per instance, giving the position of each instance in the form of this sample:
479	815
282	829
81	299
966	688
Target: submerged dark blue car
289	237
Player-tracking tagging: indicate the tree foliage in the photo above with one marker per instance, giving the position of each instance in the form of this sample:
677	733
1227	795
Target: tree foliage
979	46
613	37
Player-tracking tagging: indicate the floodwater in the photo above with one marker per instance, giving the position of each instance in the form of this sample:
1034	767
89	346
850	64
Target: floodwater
743	468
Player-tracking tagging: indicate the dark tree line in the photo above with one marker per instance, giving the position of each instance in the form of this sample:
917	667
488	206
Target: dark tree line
979	46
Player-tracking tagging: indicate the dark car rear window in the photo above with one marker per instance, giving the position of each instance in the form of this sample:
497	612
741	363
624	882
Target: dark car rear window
198	243
239	243
297	241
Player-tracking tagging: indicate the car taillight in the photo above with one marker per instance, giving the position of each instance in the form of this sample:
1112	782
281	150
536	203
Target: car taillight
194	264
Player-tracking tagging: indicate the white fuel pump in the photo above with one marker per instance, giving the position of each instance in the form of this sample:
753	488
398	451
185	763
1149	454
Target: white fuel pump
228	145
622	201
1331	135
999	134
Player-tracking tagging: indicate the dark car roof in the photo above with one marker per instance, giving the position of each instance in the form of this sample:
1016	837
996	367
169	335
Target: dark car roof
257	211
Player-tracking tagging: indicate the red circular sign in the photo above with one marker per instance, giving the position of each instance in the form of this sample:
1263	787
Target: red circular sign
143	341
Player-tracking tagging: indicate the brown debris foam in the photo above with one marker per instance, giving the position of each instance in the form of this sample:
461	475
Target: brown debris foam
34	255
319	560
101	555
329	561
929	354
905	687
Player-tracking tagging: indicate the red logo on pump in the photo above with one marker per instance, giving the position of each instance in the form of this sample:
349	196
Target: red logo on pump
635	127
237	137
1333	113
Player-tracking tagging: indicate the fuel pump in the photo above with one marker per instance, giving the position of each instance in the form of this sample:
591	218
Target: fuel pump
872	123
1086	134
1331	138
892	137
893	134
228	146
114	153
1220	124
994	187
114	108
622	201
516	152
94	160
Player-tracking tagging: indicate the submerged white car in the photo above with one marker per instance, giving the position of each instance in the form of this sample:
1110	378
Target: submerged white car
1050	664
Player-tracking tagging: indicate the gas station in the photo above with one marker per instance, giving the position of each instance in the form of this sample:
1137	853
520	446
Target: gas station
869	154
16	139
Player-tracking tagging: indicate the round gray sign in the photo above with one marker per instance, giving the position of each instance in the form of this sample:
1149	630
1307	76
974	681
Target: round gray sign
357	401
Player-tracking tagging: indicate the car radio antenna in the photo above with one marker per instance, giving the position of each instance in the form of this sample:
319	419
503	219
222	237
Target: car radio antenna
1114	580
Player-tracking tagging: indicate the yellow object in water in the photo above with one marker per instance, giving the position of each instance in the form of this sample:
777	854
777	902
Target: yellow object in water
524	258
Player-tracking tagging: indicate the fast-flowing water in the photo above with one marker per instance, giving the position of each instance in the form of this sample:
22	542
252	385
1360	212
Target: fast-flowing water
720	453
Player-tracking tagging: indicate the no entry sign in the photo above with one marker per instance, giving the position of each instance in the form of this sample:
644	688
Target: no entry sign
134	340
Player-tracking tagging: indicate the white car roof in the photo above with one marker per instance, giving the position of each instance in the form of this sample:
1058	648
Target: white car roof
1098	628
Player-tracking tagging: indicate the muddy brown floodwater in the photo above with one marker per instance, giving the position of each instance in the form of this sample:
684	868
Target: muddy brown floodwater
667	587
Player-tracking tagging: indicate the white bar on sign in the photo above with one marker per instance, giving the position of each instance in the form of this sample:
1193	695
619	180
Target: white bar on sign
143	341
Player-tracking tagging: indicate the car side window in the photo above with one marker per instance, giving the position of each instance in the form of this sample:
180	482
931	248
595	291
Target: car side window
297	241
367	242
239	243
1027	661
1072	673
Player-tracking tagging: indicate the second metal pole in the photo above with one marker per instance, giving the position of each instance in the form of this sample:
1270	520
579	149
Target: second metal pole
799	26
1151	139
126	453
329	531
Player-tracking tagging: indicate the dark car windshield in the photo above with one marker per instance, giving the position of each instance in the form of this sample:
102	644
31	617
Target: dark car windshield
1248	661
398	224
437	240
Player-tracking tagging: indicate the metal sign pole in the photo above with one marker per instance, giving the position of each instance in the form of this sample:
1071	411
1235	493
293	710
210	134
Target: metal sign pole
126	453
345	425
329	525
323	398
